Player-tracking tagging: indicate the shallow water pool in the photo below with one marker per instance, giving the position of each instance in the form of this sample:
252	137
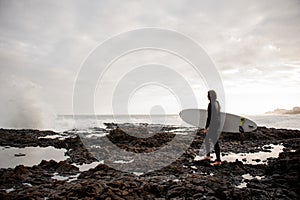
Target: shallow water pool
257	157
11	156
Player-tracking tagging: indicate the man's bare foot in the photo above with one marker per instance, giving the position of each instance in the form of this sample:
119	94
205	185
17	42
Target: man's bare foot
207	158
217	163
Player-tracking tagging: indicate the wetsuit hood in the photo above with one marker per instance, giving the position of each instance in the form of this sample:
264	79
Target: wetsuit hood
212	95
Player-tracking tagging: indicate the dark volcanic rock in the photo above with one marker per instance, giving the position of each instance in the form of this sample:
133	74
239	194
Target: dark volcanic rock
62	167
138	145
22	138
284	171
182	179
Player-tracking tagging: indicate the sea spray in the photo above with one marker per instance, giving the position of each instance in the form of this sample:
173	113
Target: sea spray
22	105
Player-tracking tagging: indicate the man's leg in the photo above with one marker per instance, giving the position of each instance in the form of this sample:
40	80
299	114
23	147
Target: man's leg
217	149
207	147
218	152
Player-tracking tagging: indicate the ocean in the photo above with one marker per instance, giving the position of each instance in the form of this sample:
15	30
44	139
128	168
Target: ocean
83	122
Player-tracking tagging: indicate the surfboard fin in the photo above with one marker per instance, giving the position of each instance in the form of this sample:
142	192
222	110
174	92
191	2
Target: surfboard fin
241	129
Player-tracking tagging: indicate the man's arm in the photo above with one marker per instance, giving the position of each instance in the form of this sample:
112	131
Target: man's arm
208	119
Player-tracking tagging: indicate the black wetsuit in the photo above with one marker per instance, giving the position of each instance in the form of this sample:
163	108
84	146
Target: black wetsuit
213	123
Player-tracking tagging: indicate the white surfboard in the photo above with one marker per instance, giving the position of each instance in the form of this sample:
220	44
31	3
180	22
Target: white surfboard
232	123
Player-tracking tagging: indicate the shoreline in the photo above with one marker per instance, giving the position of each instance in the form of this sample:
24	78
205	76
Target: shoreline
183	178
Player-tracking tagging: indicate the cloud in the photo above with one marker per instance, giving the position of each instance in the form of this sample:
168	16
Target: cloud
250	42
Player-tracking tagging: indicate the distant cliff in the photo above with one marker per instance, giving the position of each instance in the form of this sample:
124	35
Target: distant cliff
295	110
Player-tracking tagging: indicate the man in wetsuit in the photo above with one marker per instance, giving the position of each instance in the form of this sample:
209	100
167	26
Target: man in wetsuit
212	127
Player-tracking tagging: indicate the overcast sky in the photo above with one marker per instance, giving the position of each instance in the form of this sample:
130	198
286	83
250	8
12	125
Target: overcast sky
255	46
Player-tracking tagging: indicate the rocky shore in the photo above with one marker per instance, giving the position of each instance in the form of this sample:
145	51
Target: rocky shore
185	178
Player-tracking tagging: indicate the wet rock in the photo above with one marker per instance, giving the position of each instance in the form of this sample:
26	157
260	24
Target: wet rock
256	160
176	191
138	145
182	179
64	167
21	172
20	154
